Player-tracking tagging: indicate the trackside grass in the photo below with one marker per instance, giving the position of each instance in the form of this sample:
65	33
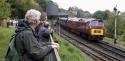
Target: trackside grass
119	42
5	35
68	52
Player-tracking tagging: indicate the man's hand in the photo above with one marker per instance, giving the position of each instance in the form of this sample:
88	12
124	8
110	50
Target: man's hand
55	45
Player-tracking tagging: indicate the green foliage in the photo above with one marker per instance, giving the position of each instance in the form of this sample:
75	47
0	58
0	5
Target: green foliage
5	35
124	36
19	7
4	9
83	14
119	42
68	52
120	25
98	14
109	24
104	15
43	3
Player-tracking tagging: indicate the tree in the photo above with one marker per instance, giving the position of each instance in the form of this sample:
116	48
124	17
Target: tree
98	15
83	14
86	14
109	24
43	3
4	9
106	14
19	7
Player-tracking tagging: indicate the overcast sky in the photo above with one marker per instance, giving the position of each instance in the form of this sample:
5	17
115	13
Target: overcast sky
92	5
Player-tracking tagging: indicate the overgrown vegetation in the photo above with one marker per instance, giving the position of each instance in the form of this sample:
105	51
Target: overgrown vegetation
4	10
17	8
109	24
68	52
119	42
5	35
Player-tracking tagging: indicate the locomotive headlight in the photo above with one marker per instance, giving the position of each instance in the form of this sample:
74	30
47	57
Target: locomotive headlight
96	31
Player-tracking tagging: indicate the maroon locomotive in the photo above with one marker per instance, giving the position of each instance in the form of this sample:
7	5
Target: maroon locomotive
92	29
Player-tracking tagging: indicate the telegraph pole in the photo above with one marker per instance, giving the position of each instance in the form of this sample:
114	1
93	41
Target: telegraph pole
115	35
115	32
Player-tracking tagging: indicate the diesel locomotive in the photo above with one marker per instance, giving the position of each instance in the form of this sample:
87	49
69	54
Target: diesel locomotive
90	28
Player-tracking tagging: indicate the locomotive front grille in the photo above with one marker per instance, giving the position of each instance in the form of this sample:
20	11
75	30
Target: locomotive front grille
96	31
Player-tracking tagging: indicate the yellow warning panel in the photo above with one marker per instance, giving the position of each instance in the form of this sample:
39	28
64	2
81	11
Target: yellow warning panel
96	31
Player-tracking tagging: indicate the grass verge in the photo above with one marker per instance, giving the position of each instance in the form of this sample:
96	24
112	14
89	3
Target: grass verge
119	42
5	35
68	52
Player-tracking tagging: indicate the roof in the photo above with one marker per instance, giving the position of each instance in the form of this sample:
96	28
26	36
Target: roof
82	19
79	19
87	19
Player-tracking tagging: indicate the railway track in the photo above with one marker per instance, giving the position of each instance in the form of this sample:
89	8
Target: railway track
112	50
101	51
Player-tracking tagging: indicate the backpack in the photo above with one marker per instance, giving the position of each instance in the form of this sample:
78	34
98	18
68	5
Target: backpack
11	54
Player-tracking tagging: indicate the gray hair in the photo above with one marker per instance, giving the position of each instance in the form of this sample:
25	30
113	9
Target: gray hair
32	15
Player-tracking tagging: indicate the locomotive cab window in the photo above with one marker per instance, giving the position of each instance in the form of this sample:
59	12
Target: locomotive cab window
97	23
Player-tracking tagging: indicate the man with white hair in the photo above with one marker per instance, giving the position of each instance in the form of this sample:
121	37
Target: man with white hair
26	41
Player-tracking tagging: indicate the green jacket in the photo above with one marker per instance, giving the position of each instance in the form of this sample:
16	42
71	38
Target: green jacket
28	47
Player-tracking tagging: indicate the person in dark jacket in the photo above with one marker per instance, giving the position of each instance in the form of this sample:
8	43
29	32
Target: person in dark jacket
44	38
44	33
27	45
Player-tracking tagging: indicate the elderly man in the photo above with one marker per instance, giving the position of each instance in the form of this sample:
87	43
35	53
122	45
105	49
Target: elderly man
26	42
